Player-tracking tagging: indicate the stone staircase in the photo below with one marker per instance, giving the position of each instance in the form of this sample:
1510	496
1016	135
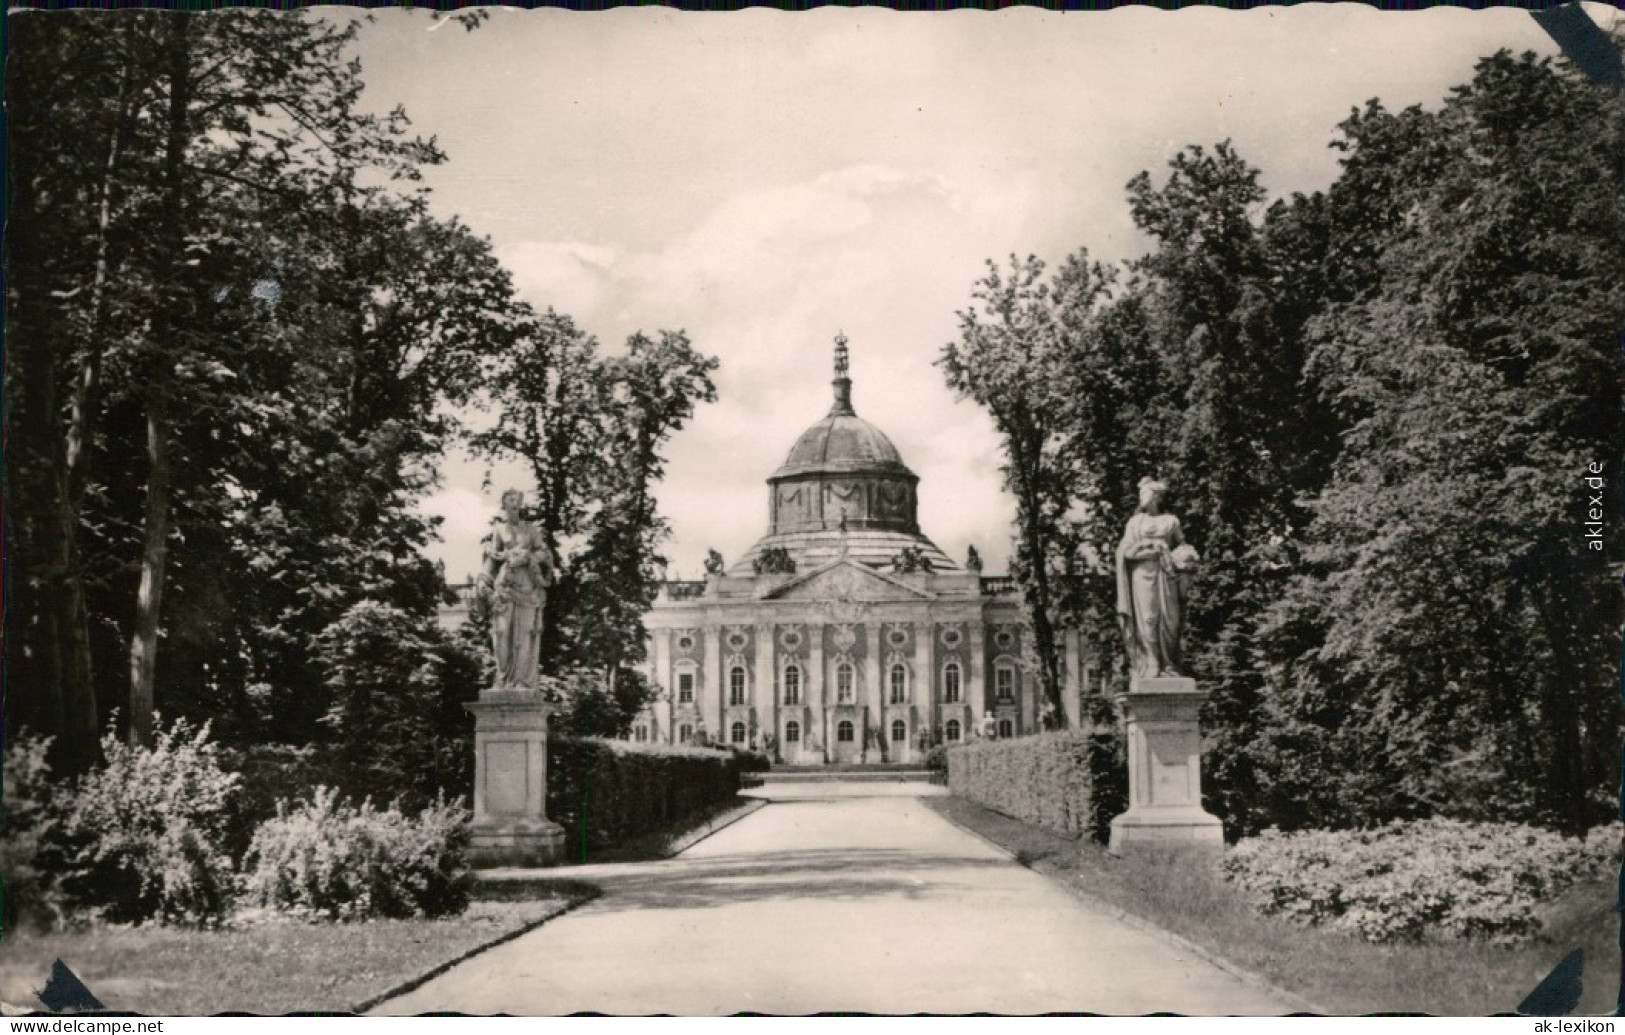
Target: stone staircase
846	773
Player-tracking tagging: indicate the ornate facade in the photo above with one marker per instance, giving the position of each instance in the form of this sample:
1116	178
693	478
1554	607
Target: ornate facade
844	634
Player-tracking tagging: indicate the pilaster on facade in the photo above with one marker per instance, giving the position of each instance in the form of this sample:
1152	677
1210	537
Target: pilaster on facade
815	695
924	690
766	685
660	664
713	681
976	671
873	688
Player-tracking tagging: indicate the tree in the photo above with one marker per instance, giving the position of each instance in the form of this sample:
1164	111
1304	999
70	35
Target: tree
653	389
49	680
1009	359
1452	621
239	334
592	428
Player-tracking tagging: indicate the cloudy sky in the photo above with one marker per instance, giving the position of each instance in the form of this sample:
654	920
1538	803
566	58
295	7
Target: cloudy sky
764	180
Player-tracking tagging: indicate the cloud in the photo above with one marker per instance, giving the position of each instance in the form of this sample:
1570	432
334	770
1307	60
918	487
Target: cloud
764	280
570	276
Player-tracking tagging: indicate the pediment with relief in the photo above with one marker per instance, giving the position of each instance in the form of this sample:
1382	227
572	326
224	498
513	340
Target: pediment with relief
846	581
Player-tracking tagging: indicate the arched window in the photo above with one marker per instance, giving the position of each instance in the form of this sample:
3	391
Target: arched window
899	730
951	731
736	733
843	682
640	734
792	732
685	733
950	682
899	684
792	685
1004	683
843	731
736	685
1007	729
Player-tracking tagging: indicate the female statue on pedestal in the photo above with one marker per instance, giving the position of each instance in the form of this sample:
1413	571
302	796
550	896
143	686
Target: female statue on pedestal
518	569
1154	568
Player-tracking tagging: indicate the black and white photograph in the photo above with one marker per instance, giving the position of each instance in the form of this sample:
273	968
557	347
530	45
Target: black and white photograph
844	511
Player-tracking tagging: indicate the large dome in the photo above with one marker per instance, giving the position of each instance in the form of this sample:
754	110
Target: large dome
843	491
842	442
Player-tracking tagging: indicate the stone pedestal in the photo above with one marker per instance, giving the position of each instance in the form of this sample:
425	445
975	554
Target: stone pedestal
1164	771
511	827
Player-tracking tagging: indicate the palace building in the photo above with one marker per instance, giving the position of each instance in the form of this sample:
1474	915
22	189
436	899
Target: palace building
844	634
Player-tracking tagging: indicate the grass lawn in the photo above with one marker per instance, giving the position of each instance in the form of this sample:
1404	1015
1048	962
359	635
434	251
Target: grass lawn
272	968
1339	973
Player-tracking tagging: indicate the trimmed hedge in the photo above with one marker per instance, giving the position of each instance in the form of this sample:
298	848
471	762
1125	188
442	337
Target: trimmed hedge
1427	878
604	792
1070	782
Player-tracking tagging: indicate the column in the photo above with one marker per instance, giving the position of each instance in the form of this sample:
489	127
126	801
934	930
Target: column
712	682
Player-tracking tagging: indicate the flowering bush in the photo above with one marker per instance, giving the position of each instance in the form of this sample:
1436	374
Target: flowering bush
1408	880
139	838
324	858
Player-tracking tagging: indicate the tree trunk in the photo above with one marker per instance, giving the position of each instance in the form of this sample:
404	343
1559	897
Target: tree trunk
47	653
88	383
149	598
1039	599
167	335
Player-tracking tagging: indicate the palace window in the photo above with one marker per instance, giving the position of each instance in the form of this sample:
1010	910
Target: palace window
1004	683
736	733
899	731
1007	729
640	734
736	685
951	731
899	684
843	682
792	732
843	731
792	685
685	688
685	733
950	682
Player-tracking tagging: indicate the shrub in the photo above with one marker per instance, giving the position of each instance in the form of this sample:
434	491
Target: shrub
1408	880
605	792
1071	782
398	684
27	797
139	838
324	858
